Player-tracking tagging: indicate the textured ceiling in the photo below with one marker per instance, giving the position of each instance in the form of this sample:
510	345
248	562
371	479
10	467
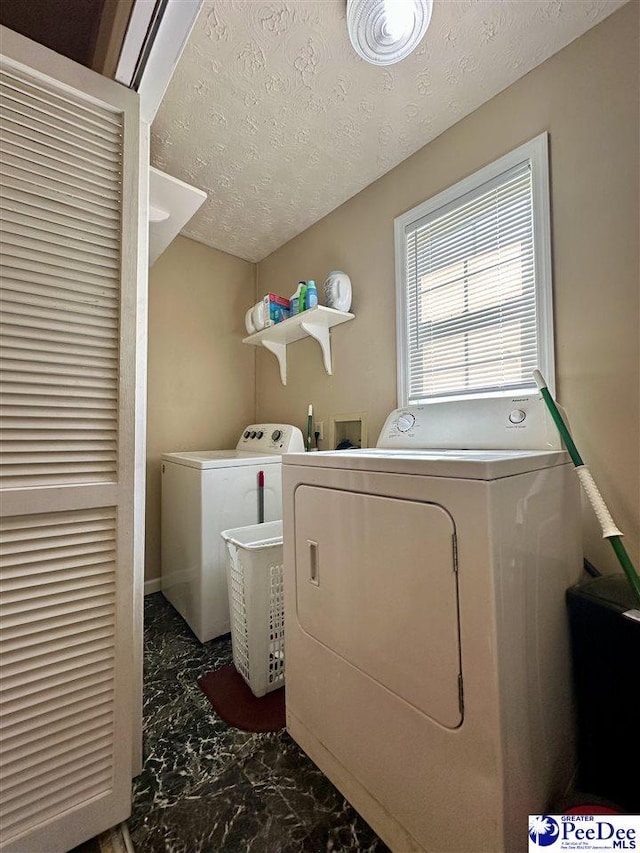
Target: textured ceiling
272	113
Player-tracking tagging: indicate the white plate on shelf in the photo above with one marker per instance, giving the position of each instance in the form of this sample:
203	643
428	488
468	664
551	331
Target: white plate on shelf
337	291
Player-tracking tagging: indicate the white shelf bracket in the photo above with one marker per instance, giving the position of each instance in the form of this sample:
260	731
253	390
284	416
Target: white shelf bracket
321	333
314	323
280	352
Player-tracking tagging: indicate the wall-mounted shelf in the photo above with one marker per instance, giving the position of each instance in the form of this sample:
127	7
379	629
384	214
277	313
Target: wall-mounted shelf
172	203
314	323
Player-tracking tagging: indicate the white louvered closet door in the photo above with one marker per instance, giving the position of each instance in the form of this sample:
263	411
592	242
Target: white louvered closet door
69	207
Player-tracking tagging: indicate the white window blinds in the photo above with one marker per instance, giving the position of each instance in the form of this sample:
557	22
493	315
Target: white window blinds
469	291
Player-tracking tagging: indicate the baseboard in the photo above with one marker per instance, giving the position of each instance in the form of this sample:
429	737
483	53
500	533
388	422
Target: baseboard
154	585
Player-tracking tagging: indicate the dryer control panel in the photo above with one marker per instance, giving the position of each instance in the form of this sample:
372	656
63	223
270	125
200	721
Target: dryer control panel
498	423
271	438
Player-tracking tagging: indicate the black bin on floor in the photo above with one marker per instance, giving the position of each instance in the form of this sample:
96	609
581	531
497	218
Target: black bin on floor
606	668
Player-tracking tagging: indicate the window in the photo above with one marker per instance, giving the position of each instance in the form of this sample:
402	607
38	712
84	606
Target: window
473	269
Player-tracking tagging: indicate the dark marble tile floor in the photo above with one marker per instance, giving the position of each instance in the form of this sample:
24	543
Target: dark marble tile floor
209	788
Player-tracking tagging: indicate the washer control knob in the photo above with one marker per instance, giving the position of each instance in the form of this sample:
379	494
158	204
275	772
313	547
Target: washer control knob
517	416
276	435
260	434
253	434
405	422
246	434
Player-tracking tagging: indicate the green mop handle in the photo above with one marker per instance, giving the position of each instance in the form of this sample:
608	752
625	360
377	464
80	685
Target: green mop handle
609	529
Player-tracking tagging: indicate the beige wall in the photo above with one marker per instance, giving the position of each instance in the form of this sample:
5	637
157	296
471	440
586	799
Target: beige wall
587	98
201	389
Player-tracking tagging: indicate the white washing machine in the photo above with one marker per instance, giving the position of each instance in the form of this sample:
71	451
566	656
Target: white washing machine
204	493
426	644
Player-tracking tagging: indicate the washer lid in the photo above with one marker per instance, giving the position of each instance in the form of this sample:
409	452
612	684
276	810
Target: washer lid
221	458
461	464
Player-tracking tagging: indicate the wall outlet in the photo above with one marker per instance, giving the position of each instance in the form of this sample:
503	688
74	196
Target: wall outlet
319	428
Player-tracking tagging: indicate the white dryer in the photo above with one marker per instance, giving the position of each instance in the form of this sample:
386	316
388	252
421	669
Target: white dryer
427	654
204	493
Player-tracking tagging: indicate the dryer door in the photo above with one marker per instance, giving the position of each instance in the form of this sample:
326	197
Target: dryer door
376	584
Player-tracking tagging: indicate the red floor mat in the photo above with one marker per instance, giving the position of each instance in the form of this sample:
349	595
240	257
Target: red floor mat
232	699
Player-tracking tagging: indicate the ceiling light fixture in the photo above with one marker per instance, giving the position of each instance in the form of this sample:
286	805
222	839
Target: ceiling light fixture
385	31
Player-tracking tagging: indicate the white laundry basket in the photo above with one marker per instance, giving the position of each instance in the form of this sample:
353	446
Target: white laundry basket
256	604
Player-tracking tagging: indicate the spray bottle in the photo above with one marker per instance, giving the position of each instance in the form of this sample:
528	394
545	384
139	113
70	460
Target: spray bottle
294	303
